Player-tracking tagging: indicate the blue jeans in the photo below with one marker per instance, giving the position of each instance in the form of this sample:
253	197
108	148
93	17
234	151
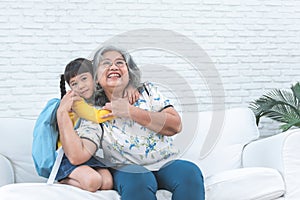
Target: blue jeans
182	178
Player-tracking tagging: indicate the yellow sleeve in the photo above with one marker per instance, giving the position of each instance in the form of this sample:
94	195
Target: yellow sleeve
74	117
88	112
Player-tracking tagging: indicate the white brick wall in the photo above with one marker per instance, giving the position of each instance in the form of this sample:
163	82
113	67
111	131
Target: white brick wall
254	45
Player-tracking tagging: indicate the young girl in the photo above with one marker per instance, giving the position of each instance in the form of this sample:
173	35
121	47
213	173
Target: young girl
81	107
90	174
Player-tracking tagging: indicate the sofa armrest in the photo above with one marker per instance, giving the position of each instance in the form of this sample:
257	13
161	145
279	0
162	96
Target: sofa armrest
281	152
6	171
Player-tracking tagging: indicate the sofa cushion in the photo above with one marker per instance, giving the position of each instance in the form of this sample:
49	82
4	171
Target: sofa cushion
245	184
6	172
16	134
37	191
221	137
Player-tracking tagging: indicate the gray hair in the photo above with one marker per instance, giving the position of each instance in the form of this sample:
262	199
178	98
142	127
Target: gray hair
133	70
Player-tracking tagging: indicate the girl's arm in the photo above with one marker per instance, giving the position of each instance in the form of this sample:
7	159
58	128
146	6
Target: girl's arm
88	112
76	149
131	93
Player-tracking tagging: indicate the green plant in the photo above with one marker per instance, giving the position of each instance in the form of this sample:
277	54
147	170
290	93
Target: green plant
280	105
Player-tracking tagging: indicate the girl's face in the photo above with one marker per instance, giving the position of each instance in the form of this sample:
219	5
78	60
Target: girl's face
112	72
83	85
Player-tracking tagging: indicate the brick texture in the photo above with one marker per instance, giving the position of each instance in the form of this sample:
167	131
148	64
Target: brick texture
248	48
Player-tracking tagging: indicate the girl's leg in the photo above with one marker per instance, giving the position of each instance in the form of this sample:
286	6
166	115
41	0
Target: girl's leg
107	180
84	177
182	178
134	182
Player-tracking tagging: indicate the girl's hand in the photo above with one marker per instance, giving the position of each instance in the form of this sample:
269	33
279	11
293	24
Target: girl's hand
132	94
67	101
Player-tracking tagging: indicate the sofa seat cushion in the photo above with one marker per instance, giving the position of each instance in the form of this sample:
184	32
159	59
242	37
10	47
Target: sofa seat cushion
245	184
37	191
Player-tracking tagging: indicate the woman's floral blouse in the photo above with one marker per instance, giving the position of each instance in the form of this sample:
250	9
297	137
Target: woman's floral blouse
127	142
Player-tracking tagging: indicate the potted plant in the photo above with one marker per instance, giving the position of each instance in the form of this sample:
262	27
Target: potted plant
280	105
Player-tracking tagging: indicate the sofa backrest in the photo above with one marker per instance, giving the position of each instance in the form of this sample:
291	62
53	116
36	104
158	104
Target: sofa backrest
16	140
214	140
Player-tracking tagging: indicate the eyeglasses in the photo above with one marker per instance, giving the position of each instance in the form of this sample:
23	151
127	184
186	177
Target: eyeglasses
105	64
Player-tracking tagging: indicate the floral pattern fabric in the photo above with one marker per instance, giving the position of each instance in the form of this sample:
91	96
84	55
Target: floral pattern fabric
127	142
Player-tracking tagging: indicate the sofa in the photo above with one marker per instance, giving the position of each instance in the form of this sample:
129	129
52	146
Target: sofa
237	164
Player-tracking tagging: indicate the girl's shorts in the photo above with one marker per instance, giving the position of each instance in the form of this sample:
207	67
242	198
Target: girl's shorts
66	168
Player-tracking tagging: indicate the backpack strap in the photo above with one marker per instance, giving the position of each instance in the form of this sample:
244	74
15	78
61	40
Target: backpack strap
60	153
145	88
56	165
99	153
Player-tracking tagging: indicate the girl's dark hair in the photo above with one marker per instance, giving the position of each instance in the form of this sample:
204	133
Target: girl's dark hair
74	68
62	86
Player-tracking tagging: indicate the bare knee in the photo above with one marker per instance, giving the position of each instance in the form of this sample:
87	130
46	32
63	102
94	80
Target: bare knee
107	180
107	184
102	181
92	183
87	178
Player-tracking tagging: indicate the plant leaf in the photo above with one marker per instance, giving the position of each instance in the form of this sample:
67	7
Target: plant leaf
279	105
296	90
287	126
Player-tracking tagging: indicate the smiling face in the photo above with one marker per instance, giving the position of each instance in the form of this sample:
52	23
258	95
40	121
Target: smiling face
83	84
112	73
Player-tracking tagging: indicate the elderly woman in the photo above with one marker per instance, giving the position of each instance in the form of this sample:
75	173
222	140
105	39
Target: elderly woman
137	143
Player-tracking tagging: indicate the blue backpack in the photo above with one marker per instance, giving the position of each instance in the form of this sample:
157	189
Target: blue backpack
45	137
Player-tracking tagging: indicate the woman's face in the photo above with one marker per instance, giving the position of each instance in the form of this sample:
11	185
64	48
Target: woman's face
112	72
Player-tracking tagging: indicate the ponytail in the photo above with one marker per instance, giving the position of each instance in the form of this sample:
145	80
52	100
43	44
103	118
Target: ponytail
62	86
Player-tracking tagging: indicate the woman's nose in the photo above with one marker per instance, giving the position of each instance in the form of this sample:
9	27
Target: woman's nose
113	67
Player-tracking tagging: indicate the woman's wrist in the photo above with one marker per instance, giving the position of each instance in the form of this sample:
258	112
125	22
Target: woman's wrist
139	115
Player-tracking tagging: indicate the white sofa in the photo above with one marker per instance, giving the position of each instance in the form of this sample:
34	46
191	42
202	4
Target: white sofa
224	144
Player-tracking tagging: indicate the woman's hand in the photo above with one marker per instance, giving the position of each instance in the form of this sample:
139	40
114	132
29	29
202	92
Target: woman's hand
119	107
166	122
